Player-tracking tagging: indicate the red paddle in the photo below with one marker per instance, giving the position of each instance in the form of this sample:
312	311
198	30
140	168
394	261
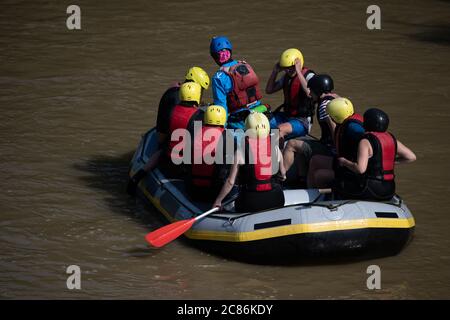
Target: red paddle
170	232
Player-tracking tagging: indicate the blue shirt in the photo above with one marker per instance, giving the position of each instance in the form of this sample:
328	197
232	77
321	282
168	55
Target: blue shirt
354	132
222	86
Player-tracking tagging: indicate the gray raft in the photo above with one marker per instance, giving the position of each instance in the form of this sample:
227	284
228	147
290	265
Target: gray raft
314	229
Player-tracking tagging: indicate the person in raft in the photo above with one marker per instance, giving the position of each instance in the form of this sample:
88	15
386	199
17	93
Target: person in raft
182	116
300	151
168	101
235	86
209	166
349	130
256	168
295	119
373	171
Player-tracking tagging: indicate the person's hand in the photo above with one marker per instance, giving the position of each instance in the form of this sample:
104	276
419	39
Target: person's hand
276	67
217	204
298	64
281	177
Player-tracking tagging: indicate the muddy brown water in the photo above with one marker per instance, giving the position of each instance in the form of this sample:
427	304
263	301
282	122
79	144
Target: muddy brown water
74	104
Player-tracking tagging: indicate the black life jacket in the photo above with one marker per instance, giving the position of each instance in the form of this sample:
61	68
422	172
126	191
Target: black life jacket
296	101
256	173
205	146
345	148
381	164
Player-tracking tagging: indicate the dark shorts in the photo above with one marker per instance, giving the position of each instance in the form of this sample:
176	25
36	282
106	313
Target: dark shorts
314	147
348	186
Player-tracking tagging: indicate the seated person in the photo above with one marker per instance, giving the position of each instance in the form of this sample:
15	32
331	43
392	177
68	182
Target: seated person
346	136
295	119
168	101
372	174
208	169
256	168
300	151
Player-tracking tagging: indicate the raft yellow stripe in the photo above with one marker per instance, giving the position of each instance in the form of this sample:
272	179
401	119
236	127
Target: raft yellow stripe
300	228
288	230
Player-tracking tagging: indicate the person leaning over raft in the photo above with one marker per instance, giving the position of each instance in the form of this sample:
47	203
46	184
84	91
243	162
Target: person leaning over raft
255	169
373	171
168	101
182	116
205	174
295	119
349	130
235	86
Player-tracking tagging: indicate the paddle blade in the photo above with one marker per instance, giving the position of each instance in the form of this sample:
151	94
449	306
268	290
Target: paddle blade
166	234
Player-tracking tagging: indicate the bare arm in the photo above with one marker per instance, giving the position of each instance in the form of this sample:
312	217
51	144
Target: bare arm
298	69
405	155
364	152
273	85
229	182
332	126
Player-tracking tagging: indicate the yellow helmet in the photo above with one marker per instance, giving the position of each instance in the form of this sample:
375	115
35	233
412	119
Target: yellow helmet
199	76
215	115
340	109
190	91
258	122
289	56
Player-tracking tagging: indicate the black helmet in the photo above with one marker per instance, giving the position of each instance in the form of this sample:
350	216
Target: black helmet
321	83
376	120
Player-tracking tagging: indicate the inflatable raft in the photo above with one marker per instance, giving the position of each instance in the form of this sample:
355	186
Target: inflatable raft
308	226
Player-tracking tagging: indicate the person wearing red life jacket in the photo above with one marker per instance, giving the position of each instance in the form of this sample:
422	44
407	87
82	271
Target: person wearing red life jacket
295	119
170	98
373	169
300	150
349	130
168	101
256	168
235	86
209	167
181	124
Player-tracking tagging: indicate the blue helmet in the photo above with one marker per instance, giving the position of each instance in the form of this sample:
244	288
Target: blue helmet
220	43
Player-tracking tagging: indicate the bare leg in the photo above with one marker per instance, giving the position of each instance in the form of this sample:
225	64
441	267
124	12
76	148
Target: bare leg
150	165
292	147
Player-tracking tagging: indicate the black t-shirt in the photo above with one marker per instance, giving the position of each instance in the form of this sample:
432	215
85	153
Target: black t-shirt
169	100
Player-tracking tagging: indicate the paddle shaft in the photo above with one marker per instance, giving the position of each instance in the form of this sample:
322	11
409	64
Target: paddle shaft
206	213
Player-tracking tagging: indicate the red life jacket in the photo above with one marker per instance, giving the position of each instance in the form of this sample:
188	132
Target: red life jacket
205	145
347	149
381	164
297	103
256	173
245	86
181	118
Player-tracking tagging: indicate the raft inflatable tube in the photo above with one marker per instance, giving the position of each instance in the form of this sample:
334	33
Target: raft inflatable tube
316	229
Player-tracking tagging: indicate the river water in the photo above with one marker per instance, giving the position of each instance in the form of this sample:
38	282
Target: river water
74	104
